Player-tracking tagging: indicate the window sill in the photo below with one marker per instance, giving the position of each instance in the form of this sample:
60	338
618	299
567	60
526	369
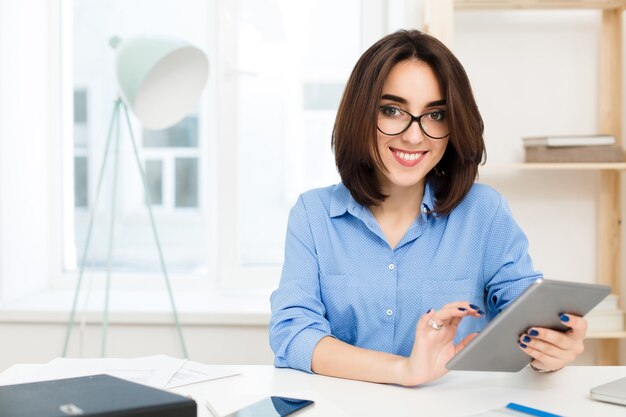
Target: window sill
218	307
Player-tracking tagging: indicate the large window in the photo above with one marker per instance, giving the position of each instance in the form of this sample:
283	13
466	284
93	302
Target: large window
293	59
173	159
222	181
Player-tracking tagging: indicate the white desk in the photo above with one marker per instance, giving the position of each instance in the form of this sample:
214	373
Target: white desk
457	394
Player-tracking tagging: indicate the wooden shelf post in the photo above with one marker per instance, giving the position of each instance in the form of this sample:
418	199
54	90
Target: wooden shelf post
609	194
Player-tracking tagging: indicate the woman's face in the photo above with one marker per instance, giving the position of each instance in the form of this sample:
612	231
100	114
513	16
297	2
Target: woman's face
411	87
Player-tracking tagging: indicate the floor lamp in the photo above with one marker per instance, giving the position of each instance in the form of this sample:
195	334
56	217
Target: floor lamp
160	80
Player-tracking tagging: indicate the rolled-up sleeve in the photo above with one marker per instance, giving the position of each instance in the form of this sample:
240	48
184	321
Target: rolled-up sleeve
508	268
298	321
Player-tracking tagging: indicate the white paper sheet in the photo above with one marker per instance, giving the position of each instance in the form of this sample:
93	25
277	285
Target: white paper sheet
160	371
192	372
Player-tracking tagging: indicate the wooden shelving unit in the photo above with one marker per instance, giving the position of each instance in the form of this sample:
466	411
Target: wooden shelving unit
607	335
537	4
572	166
440	23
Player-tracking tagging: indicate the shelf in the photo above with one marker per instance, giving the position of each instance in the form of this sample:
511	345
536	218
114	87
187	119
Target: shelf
610	105
607	335
538	4
560	166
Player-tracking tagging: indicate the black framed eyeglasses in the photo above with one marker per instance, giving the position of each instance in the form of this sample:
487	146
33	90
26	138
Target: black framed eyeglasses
394	121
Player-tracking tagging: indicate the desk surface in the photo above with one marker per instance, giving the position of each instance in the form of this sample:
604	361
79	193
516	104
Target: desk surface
457	394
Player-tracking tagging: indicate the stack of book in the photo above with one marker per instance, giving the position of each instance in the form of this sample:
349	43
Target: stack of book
606	316
574	148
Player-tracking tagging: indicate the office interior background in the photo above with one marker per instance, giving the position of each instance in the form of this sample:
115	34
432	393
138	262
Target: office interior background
222	181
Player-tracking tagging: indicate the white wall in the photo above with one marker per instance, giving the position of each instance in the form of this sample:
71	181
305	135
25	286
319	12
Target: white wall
41	342
26	121
535	73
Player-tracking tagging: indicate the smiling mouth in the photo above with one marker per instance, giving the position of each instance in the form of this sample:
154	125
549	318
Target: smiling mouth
408	156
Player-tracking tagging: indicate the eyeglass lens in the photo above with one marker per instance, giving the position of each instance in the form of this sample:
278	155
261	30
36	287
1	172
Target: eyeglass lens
393	121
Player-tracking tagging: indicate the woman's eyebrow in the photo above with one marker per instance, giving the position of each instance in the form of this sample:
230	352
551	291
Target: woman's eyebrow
397	99
441	102
402	100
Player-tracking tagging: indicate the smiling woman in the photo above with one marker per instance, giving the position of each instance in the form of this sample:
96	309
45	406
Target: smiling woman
401	144
447	95
391	272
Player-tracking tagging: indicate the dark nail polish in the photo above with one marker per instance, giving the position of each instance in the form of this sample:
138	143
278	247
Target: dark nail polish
533	332
481	312
462	309
473	307
523	346
526	339
429	310
564	318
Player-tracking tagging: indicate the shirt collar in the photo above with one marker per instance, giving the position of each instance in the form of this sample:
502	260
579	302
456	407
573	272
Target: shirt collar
428	201
341	201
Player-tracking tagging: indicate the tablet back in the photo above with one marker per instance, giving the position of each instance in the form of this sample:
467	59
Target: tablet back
496	347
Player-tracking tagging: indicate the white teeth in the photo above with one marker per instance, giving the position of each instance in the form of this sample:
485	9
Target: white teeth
408	156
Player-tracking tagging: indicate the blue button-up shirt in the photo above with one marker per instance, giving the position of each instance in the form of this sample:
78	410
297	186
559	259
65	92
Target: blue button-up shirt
342	279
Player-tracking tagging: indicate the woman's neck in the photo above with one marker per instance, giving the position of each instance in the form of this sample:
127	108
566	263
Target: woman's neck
399	210
400	201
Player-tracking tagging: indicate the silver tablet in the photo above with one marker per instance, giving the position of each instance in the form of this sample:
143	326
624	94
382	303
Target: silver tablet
496	347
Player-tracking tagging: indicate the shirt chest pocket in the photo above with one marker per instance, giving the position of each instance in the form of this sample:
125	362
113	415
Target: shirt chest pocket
438	292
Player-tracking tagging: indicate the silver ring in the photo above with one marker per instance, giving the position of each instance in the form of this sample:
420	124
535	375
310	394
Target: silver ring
435	325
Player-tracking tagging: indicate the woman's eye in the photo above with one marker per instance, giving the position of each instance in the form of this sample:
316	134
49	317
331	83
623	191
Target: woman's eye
437	115
390	111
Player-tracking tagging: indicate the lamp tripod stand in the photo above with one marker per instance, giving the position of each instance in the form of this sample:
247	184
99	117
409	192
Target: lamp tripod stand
115	123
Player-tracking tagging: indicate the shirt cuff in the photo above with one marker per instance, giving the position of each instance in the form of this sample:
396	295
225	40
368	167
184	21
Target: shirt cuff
300	351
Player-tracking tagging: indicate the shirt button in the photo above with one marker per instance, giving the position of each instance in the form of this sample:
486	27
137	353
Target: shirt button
424	210
389	312
391	266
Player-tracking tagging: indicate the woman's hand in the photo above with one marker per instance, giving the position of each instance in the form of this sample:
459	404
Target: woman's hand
433	347
550	349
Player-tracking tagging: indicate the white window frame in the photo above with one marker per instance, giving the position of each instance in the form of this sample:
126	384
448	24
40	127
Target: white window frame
30	146
167	156
85	152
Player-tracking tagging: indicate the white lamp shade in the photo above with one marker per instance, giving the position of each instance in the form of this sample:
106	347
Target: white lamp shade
160	78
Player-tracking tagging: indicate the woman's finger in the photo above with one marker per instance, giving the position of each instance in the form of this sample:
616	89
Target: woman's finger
465	341
561	339
465	305
422	323
568	340
577	325
553	351
547	361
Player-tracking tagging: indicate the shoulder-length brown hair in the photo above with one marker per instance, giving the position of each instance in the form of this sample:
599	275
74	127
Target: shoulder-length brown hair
354	133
